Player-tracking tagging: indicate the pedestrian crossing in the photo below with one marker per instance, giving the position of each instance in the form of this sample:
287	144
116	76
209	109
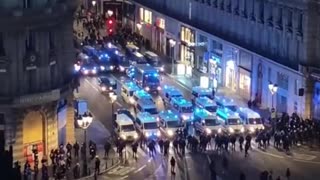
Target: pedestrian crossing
121	170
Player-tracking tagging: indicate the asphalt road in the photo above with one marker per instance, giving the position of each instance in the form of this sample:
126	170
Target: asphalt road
304	164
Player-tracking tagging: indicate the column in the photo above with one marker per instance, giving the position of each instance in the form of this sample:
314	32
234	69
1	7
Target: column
70	136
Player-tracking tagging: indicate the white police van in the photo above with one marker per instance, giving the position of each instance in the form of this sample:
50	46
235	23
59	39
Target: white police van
169	122
207	104
147	125
198	91
205	122
251	119
169	92
225	102
183	107
127	90
230	120
147	105
141	94
125	128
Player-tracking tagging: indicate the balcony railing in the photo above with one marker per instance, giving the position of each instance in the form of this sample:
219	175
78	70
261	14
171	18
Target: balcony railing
19	17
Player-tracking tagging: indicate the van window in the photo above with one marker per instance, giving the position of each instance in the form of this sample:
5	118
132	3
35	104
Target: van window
131	93
139	107
124	90
138	121
135	98
167	95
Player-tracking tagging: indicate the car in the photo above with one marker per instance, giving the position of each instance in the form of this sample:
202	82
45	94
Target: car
107	84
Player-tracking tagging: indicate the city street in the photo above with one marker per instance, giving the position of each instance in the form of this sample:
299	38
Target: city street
301	161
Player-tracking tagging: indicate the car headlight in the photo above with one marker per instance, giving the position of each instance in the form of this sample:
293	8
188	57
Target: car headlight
147	134
158	88
86	72
94	71
147	88
124	137
170	132
103	88
262	127
219	130
135	136
162	69
121	68
102	68
131	100
231	130
184	117
110	88
251	129
158	133
111	67
208	131
242	129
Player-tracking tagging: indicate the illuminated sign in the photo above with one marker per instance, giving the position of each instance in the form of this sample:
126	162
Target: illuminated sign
161	23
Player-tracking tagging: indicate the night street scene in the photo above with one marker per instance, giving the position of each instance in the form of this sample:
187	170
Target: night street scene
160	89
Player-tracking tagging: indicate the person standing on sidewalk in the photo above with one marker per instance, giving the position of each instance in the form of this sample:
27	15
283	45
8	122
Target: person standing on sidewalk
76	171
97	166
107	147
173	164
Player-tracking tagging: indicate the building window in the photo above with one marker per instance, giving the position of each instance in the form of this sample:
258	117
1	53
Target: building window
269	74
2	121
244	9
261	12
229	6
215	3
289	21
270	16
141	10
279	21
300	24
236	7
283	81
222	5
2	51
161	23
209	2
51	40
147	16
26	4
253	14
30	41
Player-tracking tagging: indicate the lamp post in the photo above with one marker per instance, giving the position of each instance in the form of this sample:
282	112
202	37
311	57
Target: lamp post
84	122
273	89
172	44
94	5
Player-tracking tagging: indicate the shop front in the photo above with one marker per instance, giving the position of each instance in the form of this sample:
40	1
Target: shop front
159	39
231	75
245	83
187	49
211	65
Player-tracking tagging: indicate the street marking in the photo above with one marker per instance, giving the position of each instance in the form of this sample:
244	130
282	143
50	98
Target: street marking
92	85
125	177
140	169
270	154
121	170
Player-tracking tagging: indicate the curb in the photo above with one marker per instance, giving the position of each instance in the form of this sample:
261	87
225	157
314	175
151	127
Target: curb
102	172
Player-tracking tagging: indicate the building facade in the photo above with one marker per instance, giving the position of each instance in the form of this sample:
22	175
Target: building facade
36	61
244	45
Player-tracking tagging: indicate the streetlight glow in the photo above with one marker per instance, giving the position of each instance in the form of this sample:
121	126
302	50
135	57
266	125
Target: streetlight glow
94	3
110	13
273	88
172	42
139	26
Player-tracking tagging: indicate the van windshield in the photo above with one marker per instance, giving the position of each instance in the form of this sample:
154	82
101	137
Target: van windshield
187	109
255	121
151	125
212	109
152	110
234	121
211	122
173	124
127	128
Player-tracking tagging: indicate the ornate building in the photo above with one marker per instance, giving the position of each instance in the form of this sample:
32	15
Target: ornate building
243	45
36	65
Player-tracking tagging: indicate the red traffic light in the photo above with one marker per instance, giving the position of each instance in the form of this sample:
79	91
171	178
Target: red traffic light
110	30
110	22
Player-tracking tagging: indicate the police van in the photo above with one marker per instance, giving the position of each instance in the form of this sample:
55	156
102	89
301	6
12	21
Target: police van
251	119
169	92
130	48
183	107
198	91
124	127
207	104
147	125
230	120
147	105
169	122
225	102
154	61
127	90
206	122
141	94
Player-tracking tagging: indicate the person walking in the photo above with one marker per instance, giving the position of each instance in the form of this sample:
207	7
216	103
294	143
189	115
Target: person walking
288	174
173	164
97	166
76	148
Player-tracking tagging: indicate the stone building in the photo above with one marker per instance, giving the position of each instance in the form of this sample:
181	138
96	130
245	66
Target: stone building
36	61
243	45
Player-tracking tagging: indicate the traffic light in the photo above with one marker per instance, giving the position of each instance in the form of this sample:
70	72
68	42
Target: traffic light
110	22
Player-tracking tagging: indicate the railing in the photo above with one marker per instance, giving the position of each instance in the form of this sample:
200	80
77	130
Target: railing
24	17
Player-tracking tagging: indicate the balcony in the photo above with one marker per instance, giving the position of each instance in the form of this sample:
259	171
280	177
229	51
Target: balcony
21	18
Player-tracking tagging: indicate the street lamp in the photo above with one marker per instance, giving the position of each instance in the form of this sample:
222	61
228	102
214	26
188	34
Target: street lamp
110	13
273	89
172	44
94	6
84	122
